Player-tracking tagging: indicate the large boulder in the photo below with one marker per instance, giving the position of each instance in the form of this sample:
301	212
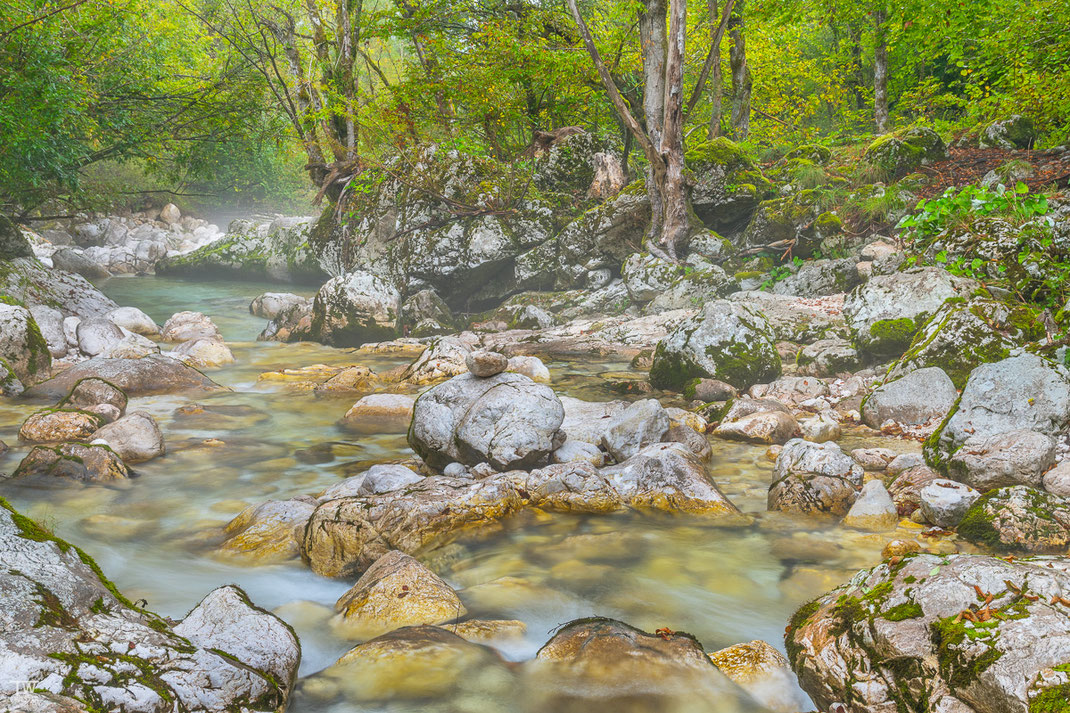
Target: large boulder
77	461
69	632
962	335
13	243
1018	519
97	336
902	152
921	397
50	322
270	304
938	633
354	309
186	326
31	282
1014	132
135	437
268	532
22	347
886	311
797	319
794	222
668	476
134	320
726	341
1021	392
253	250
152	374
811	478
1012	458
506	420
642	423
726	186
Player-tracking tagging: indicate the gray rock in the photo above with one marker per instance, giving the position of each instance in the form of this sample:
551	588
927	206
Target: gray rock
76	261
50	322
906	488
904	462
1014	132
726	341
443	358
693	289
909	613
187	326
98	335
134	320
153	374
667	467
814	478
505	420
86	641
821	427
579	451
483	363
828	357
820	277
886	312
900	153
355	309
764	427
691	439
646	276
380	478
1012	458
32	283
22	348
92	391
425	314
641	424
77	461
921	397
1021	392
797	319
873	509
135	437
1018	519
589	421
1057	480
709	390
270	304
944	502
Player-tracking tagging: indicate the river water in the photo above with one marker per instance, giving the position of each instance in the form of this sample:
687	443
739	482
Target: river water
154	535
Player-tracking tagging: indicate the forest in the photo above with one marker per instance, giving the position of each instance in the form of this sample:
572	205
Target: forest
534	356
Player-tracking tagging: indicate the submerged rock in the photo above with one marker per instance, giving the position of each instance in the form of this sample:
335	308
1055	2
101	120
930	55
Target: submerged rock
71	635
811	478
152	374
57	425
726	341
873	509
938	633
77	461
135	437
268	532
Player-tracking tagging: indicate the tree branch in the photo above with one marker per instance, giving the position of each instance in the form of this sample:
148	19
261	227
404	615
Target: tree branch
714	55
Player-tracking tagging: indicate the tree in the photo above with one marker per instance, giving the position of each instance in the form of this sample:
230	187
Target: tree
742	82
880	72
662	139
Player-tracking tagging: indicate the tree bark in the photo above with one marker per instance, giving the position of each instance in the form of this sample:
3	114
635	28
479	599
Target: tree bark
652	39
676	226
880	74
741	78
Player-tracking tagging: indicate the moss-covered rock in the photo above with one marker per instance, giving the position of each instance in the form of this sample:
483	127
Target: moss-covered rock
1014	132
726	186
900	153
22	347
965	334
13	243
726	341
1018	519
355	309
796	221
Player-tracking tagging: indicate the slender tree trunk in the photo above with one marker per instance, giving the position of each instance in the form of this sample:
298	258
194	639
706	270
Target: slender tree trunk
880	74
652	38
716	90
676	226
741	79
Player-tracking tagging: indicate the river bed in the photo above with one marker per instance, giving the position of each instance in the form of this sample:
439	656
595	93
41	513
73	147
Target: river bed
154	534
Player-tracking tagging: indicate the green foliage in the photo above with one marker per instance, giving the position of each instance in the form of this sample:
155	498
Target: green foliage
954	207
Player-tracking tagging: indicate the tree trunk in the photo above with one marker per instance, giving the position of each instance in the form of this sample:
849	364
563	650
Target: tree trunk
741	79
676	226
717	89
652	39
348	23
880	75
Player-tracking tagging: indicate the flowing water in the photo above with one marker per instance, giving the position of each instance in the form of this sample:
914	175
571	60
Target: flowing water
154	534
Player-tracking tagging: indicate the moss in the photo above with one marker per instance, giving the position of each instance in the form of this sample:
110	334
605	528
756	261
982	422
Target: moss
904	611
721	151
828	223
1055	699
958	668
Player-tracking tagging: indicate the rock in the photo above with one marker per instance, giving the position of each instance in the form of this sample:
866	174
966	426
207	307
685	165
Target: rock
875	459
887	311
594	659
642	423
764	673
380	413
88	463
828	358
204	353
646	276
791	390
415	663
920	398
50	322
425	314
902	152
672	472
135	437
1018	519
909	614
92	391
579	452
30	282
588	421
86	641
134	320
963	335
1013	458
483	363
906	488
187	326
380	478
277	251
814	478
815	278
109	413
710	390
820	428
797	218
693	289
745	406
10	386
944	502
531	367
873	510
270	304
152	374
726	341
131	346
22	347
1021	392
268	532
1014	132
690	439
507	420
443	358
1057	480
58	425
396	591
355	309
797	319
76	261
170	214
904	462
484	631
761	427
